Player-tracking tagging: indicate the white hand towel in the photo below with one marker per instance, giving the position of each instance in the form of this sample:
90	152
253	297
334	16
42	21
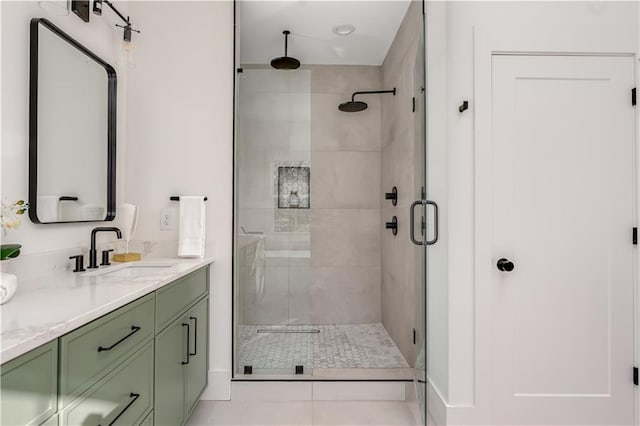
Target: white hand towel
127	219
48	208
191	236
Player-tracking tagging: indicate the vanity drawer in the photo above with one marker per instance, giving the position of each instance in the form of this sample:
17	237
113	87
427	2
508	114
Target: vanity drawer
124	397
29	387
176	298
89	352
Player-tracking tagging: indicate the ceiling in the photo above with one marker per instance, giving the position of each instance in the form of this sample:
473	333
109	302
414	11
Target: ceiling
312	40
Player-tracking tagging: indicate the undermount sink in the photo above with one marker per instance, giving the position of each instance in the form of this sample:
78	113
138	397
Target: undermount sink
134	270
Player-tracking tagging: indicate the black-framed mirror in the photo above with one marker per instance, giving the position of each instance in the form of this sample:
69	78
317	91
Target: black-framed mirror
72	130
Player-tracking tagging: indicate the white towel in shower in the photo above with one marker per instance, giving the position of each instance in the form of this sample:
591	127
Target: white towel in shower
48	208
191	238
257	269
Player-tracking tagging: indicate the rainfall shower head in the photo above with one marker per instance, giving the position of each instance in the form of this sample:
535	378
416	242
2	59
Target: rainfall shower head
357	106
285	62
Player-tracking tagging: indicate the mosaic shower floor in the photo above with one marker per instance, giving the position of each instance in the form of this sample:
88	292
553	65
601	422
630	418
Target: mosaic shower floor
335	346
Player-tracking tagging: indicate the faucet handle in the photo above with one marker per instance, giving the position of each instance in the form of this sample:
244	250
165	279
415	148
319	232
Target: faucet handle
105	257
79	263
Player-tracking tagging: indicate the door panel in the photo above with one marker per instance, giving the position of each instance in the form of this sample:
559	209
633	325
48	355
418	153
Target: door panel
196	370
563	214
169	374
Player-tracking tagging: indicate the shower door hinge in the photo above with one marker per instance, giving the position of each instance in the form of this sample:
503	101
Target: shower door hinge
635	376
413	108
634	237
414	336
633	96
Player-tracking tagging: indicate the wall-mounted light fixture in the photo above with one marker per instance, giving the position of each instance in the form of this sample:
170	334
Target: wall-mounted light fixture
128	29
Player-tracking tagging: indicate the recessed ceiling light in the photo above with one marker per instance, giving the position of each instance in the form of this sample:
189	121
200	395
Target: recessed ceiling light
344	29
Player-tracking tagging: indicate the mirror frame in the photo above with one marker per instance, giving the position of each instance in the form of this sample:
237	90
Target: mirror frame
33	121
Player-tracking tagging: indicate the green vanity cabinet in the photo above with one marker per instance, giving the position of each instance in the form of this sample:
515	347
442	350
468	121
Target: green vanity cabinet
29	387
143	364
181	362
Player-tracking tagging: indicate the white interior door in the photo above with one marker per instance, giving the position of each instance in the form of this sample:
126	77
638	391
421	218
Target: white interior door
563	213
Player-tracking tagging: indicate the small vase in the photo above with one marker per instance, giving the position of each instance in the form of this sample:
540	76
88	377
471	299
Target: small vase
8	286
294	200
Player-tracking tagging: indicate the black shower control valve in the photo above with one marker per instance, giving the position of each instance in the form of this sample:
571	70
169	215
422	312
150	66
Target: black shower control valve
393	225
393	196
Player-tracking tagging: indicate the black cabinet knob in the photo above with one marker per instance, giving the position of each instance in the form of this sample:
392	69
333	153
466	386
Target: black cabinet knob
505	265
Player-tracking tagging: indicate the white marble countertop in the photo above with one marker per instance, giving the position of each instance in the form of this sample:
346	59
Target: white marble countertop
48	307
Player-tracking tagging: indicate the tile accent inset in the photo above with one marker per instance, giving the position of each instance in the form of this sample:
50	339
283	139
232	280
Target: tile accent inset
293	187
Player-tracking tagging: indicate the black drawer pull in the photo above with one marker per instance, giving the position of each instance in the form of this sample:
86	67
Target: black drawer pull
134	330
134	397
188	339
195	336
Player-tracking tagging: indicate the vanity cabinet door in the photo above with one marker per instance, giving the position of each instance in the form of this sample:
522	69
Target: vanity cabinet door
197	370
171	353
29	386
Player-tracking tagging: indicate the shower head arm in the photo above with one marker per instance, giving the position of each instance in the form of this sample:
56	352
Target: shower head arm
286	41
371	92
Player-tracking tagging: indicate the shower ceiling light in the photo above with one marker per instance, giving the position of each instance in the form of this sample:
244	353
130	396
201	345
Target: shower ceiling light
344	29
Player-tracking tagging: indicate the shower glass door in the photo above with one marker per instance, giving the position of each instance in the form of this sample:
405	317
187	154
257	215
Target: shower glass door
272	157
423	230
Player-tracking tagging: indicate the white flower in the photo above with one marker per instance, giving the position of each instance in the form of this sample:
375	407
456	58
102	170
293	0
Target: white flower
11	214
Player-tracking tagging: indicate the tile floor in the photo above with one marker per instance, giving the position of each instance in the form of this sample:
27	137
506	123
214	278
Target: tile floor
335	346
306	413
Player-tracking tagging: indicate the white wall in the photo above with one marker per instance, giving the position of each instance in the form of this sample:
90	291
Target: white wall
180	106
101	37
468	396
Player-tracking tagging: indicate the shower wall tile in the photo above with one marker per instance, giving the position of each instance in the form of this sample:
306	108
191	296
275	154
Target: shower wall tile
399	282
344	79
345	295
345	197
345	180
253	180
400	161
300	293
270	304
399	168
345	237
334	130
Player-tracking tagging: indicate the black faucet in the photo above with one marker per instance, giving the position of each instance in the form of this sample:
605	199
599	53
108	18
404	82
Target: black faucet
93	254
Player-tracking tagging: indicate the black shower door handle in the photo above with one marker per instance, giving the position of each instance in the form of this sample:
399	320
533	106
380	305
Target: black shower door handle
412	222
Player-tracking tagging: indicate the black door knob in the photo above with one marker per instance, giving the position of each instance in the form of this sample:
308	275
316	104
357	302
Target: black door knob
505	265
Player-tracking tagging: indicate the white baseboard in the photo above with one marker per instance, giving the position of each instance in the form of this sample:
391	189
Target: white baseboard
359	391
436	406
219	387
